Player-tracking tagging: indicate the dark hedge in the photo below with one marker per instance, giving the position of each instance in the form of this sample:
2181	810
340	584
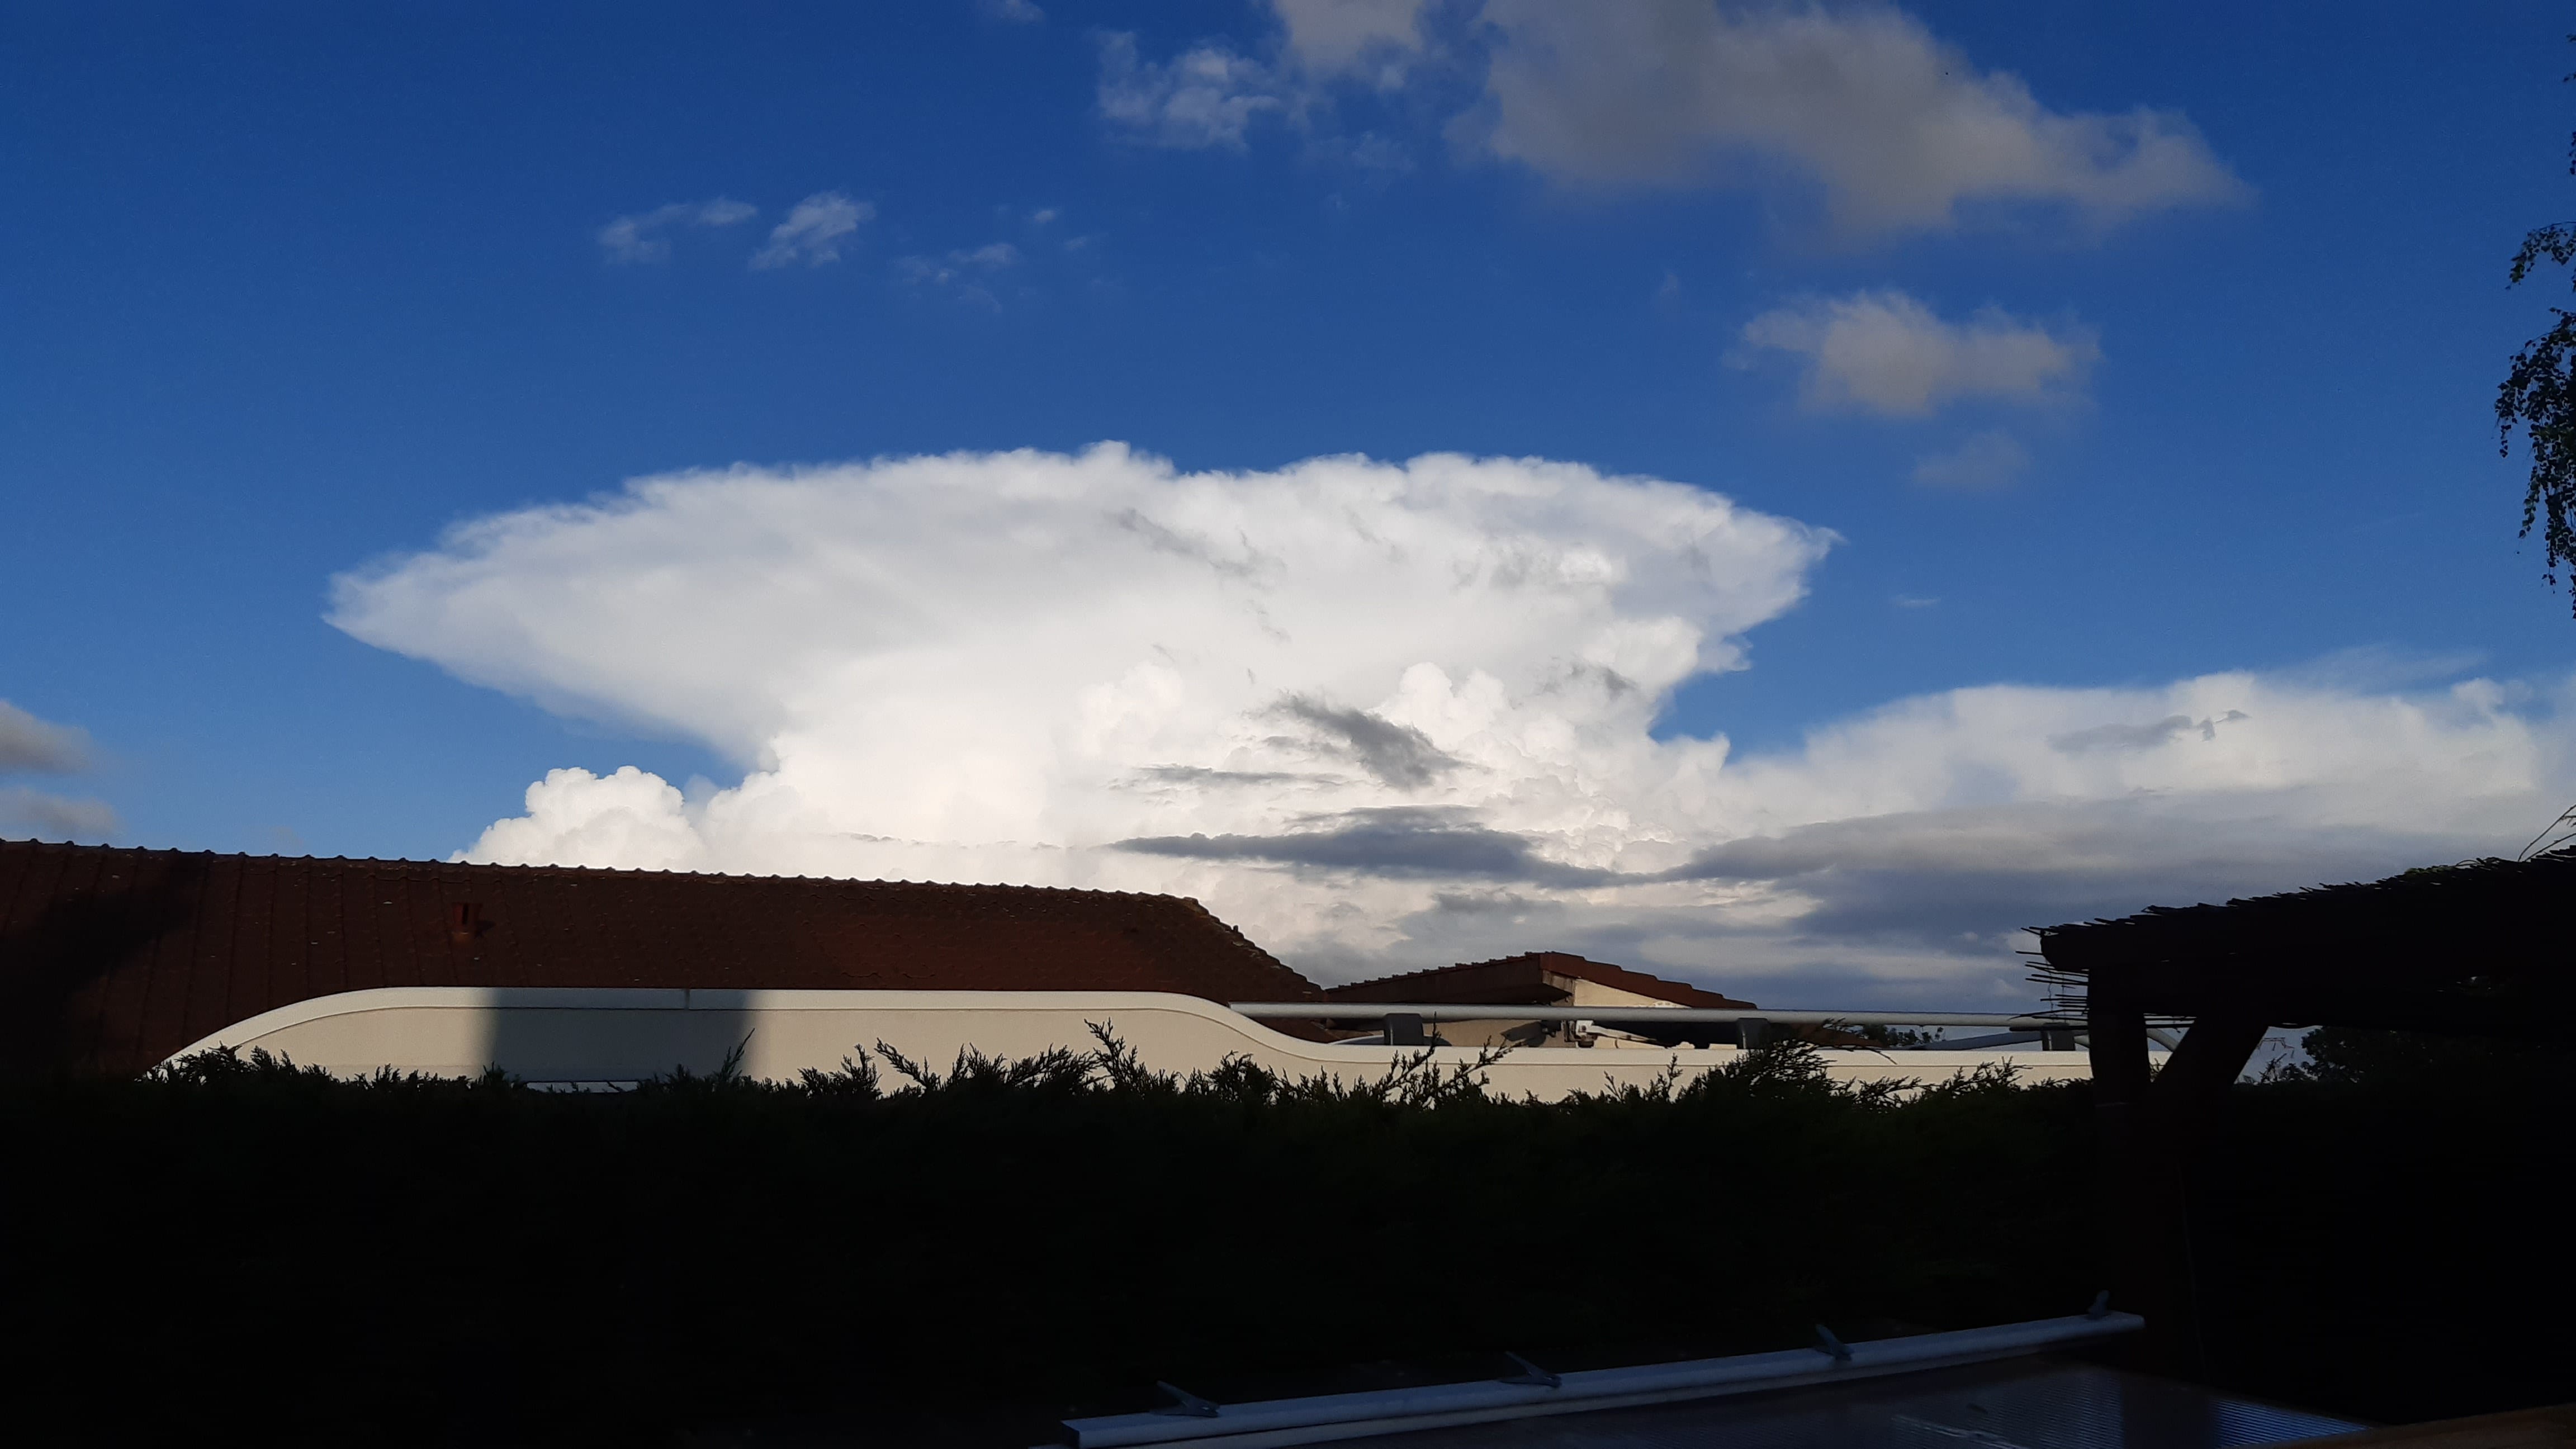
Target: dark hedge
963	1256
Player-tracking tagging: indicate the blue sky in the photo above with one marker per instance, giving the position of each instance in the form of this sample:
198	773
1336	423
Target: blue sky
290	290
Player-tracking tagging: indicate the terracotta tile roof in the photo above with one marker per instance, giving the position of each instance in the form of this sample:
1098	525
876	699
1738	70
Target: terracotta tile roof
1522	981
111	959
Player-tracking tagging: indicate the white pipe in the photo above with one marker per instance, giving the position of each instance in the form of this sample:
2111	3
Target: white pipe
1329	1417
1451	1011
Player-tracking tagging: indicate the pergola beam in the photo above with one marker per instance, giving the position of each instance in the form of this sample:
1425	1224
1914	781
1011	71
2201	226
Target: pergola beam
2477	949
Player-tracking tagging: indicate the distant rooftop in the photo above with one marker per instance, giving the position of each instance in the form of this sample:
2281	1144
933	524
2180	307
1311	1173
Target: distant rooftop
1536	978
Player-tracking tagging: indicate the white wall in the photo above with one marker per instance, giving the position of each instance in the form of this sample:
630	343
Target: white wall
558	1035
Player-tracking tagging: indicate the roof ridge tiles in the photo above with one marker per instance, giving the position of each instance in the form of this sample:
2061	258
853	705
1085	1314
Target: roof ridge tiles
405	863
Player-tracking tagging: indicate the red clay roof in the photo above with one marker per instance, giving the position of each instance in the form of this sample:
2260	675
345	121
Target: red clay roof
1521	981
112	959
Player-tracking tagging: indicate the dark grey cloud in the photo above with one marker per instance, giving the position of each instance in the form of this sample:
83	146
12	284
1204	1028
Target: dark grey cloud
1401	840
1924	910
34	746
1201	775
2140	737
1951	879
1895	126
1399	756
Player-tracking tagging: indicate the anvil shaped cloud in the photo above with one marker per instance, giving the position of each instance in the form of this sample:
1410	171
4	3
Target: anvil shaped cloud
1383	715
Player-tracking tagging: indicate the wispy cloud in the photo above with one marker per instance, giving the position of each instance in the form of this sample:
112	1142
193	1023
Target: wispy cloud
1885	352
970	272
1015	12
1982	463
1205	98
641	237
965	263
812	233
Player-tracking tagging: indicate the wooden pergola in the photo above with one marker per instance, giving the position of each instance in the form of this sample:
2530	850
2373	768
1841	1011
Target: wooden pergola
2483	948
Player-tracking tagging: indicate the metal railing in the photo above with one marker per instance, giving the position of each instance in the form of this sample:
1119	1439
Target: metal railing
1406	1023
1672	1015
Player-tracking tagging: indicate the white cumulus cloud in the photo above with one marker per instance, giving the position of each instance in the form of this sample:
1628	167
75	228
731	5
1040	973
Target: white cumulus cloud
1389	715
813	231
640	237
1888	353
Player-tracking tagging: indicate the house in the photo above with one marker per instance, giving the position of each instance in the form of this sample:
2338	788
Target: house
1548	978
113	959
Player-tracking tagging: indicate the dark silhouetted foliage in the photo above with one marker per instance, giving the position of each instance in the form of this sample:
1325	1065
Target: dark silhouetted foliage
904	1254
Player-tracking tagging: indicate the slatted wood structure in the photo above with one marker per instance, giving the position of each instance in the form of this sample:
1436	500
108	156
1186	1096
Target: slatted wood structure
2483	948
112	959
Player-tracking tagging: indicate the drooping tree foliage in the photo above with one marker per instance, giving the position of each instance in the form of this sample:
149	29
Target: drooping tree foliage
2539	396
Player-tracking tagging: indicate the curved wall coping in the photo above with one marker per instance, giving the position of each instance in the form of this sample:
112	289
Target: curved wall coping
1020	1023
637	998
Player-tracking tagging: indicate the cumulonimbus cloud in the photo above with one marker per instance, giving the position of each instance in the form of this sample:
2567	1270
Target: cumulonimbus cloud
1388	715
1888	353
